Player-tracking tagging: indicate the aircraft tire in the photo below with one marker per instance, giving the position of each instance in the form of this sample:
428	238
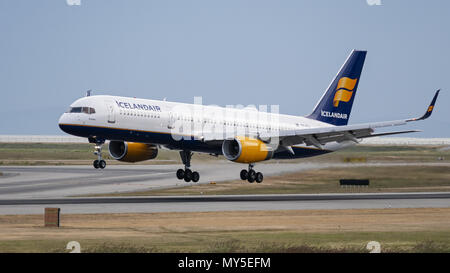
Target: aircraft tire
244	174
195	177
251	176
259	177
102	164
180	174
187	175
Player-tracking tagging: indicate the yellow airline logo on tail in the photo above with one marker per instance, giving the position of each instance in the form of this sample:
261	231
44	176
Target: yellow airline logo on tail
344	90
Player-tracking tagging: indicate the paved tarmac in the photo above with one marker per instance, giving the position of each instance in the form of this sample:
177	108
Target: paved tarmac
62	181
28	189
227	203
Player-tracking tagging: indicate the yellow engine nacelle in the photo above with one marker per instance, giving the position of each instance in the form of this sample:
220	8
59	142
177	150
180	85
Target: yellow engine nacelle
132	151
246	150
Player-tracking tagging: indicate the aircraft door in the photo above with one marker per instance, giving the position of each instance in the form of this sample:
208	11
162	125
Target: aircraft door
171	120
111	112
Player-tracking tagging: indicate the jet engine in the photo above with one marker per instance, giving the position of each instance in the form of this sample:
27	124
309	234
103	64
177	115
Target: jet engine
246	150
132	151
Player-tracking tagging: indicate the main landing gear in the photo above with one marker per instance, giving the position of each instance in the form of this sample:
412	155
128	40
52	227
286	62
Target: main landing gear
99	163
187	174
251	175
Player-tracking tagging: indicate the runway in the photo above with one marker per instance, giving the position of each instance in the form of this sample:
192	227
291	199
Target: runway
19	182
28	189
228	203
230	198
63	181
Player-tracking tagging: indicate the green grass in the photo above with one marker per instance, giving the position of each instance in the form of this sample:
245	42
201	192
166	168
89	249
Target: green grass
378	153
82	153
241	242
56	154
72	153
27	151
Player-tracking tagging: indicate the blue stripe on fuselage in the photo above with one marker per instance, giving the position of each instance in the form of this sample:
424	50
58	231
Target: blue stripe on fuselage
139	136
108	133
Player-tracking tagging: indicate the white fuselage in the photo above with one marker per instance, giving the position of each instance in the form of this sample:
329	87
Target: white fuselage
176	125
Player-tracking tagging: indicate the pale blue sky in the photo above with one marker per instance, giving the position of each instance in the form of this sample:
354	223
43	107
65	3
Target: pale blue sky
230	52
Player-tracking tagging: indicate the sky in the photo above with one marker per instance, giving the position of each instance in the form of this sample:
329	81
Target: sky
229	52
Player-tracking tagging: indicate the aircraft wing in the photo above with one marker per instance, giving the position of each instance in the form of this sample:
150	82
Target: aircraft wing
320	136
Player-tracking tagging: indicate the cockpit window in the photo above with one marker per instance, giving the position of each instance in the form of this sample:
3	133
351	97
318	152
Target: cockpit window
86	110
74	110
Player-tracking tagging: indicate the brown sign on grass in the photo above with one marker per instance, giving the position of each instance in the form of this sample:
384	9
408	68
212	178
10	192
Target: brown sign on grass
51	217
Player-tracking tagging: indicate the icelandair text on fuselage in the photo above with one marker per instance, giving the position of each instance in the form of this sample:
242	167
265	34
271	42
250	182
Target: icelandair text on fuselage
137	106
246	262
332	114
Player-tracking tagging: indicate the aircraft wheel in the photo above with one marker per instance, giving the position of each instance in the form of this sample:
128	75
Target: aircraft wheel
195	177
244	174
251	176
187	175
180	174
96	164
102	164
259	177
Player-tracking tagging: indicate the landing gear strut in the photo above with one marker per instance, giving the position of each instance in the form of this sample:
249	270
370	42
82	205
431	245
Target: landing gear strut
99	163
251	175
187	174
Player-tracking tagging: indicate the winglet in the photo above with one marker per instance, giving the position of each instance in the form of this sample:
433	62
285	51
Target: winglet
429	109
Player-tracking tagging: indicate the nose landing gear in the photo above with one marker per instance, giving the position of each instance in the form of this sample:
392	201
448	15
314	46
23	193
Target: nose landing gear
187	174
99	163
251	175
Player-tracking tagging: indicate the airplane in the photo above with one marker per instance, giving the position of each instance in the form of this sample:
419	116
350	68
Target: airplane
137	128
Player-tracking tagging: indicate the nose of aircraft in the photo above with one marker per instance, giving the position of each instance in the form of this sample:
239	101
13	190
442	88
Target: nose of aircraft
62	122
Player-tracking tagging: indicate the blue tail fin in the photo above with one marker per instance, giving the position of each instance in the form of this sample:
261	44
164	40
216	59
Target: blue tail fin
336	104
